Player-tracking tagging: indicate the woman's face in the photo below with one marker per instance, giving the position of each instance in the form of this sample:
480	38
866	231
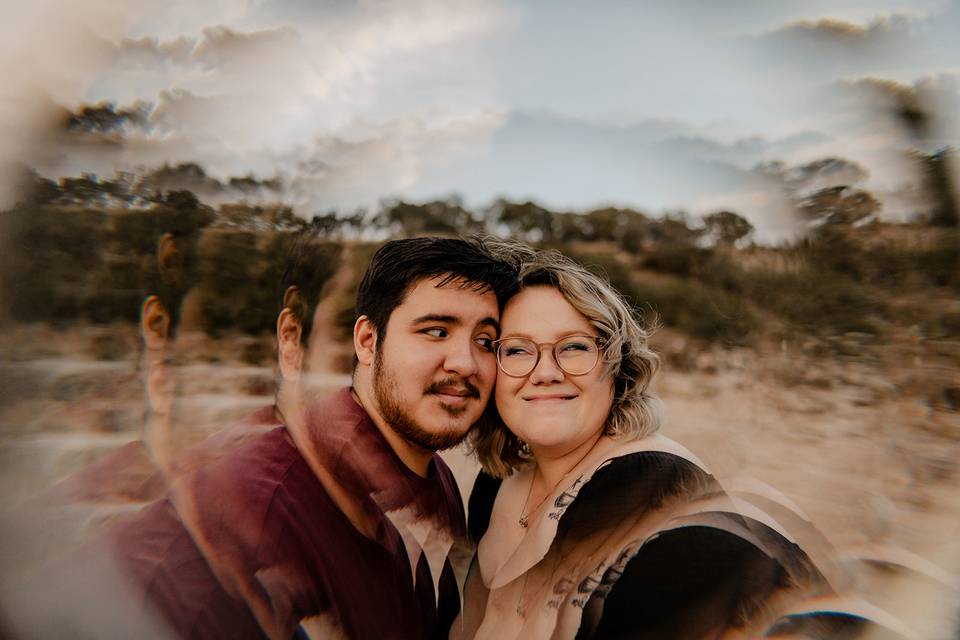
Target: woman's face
552	411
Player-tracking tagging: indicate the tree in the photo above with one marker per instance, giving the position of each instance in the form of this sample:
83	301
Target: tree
938	176
439	216
39	190
326	225
182	200
84	190
673	229
526	221
839	205
726	227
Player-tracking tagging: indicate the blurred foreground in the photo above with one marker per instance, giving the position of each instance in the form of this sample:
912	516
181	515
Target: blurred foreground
874	469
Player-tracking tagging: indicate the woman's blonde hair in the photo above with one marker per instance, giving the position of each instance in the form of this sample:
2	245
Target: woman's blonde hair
626	357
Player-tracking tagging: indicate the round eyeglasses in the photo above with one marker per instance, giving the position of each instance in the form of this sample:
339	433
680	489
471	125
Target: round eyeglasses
575	355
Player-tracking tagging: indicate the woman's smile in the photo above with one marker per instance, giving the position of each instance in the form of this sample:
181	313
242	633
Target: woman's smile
550	397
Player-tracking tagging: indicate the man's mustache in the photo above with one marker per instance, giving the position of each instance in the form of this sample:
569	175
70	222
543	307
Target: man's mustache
456	386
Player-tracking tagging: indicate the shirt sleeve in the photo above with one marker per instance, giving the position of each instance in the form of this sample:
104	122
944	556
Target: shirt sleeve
690	582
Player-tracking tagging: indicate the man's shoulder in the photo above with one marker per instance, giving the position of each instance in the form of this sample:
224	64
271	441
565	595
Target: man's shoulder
248	474
235	486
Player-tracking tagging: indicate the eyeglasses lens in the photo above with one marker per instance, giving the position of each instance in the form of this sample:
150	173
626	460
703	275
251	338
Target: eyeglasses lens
576	355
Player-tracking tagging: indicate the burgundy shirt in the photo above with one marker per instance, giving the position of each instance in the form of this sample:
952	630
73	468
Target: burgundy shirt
252	545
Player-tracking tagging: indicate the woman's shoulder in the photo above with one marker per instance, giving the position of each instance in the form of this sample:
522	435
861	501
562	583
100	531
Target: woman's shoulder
638	480
629	475
652	447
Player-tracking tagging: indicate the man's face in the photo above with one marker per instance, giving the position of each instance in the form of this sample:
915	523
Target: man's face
434	367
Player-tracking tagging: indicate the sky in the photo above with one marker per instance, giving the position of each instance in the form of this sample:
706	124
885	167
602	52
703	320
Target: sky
652	105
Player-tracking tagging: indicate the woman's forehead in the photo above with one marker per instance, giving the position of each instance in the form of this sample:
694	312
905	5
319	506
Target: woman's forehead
542	312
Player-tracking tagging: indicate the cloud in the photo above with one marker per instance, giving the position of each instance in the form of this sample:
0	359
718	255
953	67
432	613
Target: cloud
48	53
217	47
254	93
398	158
346	46
742	152
567	163
844	36
350	101
222	46
180	111
151	52
813	176
922	113
910	40
835	47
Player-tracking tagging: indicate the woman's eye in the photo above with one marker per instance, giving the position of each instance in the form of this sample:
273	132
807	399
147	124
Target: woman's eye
435	332
517	351
575	346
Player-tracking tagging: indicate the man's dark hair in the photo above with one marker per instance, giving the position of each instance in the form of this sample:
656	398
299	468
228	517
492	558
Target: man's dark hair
310	262
399	264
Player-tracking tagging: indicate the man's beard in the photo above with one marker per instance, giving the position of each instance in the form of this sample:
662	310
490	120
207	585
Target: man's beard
385	391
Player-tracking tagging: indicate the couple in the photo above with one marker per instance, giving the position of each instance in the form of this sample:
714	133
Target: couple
338	519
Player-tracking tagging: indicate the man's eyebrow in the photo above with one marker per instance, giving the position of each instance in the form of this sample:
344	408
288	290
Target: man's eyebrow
492	323
437	317
454	320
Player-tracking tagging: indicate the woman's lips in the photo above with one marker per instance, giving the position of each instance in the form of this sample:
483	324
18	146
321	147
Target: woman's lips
552	397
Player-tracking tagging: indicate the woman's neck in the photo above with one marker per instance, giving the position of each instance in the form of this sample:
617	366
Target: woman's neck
553	466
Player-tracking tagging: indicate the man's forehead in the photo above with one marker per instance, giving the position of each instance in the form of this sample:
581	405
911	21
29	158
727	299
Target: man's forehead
453	293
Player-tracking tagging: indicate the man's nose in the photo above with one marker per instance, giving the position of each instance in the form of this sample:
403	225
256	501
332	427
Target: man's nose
547	369
461	357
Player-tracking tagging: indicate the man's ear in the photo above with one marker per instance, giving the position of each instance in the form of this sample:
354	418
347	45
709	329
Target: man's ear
169	258
291	296
364	340
154	323
289	348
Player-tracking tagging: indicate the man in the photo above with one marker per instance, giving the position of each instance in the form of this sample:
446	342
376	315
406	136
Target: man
341	520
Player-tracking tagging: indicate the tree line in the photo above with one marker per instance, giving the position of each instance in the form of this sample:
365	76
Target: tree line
85	249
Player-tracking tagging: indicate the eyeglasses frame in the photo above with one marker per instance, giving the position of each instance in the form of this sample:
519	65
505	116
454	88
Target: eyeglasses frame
553	350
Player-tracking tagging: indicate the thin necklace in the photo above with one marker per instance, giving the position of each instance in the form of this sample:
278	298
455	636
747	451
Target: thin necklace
524	520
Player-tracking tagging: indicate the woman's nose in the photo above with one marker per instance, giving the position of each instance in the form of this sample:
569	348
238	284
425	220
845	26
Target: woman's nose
547	369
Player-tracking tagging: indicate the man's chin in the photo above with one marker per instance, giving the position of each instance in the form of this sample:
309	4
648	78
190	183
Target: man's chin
456	406
453	410
435	439
450	443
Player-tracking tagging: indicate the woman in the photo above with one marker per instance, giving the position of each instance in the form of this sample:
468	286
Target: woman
601	527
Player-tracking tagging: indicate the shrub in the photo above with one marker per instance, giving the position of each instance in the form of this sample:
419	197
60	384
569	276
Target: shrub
674	258
940	264
815	300
345	306
688	306
701	312
240	276
48	257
